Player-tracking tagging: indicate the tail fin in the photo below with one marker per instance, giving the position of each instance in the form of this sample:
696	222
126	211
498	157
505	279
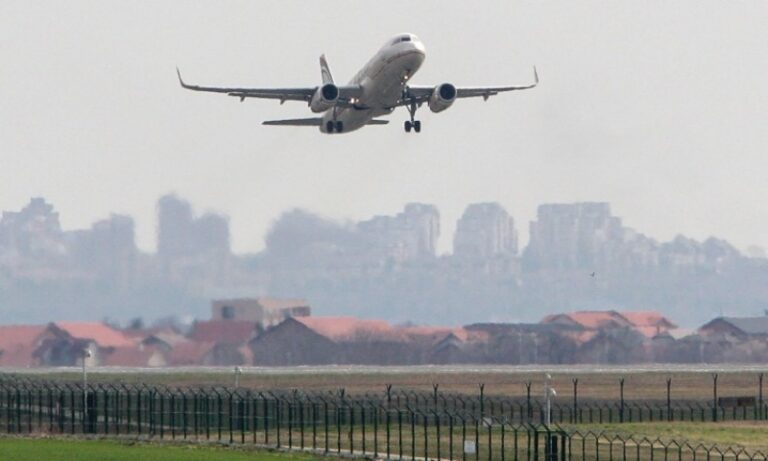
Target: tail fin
325	71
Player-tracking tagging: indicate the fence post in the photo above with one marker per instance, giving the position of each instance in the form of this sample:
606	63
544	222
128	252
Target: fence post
574	419
437	433
714	397
760	395
413	434
669	399
528	400
621	397
435	386
388	415
482	399
231	415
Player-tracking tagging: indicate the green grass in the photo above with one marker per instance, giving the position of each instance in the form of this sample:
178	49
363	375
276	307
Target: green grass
24	449
749	434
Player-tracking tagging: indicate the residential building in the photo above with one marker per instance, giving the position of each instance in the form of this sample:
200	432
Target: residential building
263	311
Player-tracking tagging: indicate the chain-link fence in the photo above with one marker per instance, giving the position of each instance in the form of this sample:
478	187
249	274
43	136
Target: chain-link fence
392	424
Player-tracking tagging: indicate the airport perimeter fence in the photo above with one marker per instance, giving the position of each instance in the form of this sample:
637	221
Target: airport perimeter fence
330	423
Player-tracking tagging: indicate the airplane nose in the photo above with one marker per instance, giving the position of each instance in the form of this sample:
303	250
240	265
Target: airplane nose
418	46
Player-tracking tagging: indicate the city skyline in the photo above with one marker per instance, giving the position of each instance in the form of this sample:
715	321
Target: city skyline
215	225
581	256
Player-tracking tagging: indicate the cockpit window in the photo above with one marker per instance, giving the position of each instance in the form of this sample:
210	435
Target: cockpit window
406	38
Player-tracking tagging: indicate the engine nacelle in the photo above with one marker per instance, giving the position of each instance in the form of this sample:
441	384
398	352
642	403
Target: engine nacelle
324	98
442	97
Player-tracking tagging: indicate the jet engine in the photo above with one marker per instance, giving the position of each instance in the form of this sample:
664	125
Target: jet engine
324	98
442	97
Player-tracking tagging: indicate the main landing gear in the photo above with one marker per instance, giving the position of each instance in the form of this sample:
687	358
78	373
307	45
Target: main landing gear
412	124
334	126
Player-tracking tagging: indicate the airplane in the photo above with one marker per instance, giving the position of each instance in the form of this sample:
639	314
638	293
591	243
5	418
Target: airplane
376	90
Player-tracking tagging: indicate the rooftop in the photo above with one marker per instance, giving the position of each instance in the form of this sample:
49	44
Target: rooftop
101	334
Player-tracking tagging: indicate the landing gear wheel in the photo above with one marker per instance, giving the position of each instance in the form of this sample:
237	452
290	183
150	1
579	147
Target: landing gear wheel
329	126
339	127
412	124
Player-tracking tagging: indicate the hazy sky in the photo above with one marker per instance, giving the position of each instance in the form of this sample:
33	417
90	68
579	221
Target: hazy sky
657	107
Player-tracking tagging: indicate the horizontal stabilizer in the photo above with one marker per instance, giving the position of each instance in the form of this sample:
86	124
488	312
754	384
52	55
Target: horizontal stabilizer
314	121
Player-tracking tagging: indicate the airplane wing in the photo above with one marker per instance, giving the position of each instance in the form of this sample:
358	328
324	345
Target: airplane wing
420	94
346	92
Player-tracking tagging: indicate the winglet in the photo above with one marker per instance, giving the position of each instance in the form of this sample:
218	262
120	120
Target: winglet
181	81
535	76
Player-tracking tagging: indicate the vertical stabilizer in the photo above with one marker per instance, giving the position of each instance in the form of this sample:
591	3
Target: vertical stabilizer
325	71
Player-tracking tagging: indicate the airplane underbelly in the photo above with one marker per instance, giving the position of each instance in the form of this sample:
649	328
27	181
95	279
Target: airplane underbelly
388	84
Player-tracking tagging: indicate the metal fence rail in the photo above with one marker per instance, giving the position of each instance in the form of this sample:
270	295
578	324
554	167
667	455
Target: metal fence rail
527	410
403	426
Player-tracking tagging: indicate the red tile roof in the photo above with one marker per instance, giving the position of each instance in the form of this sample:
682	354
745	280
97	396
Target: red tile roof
224	331
348	328
101	334
18	343
648	323
590	319
648	319
436	334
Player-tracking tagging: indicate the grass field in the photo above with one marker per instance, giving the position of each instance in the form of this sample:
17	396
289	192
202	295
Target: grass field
27	449
750	435
602	384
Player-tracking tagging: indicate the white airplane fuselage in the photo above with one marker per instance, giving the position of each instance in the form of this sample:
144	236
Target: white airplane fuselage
382	80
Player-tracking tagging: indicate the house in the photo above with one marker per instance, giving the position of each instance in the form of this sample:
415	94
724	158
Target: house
739	328
134	356
613	346
190	353
164	340
223	331
333	340
18	344
264	311
293	342
349	340
589	320
649	323
225	343
65	343
443	345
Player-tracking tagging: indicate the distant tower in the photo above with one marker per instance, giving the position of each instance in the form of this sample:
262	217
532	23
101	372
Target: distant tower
175	227
577	235
409	235
182	235
485	231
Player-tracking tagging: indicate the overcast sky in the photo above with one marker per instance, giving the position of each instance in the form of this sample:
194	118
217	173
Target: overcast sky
659	108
